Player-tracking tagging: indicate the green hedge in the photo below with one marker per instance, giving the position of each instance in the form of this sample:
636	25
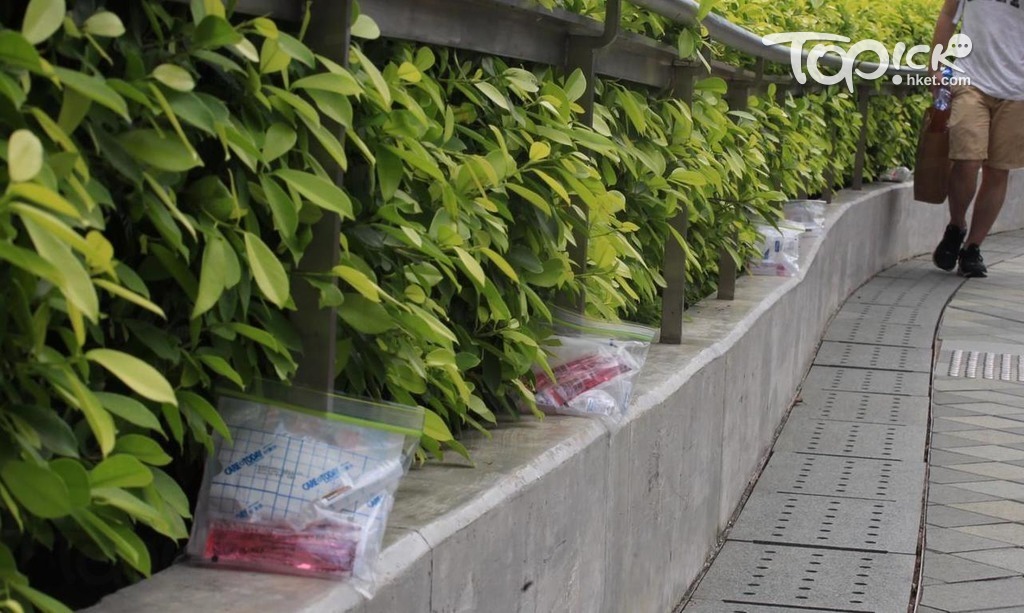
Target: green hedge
164	165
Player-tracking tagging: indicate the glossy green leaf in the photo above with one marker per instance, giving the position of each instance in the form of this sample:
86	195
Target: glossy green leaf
213	32
279	140
75	478
365	315
364	27
158	150
319	191
141	447
43	602
142	378
267	270
94	88
359	281
129	409
337	82
40	490
120	470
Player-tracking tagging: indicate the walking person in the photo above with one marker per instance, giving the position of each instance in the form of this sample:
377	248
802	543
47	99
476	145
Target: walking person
986	124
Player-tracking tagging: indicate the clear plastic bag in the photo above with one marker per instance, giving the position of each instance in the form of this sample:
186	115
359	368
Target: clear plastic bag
780	252
809	214
593	367
305	485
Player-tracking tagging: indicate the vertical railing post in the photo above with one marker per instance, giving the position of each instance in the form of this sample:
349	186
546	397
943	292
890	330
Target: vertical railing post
863	106
737	98
581	54
673	298
317	327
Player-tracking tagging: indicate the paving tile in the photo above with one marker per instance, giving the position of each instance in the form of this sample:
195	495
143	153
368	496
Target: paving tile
950	398
1007	533
949	540
995	487
1005	509
988	436
963	597
950	441
717	606
949	459
953	569
938	474
987	395
948	517
996	470
993	452
942	424
945	410
986	421
987	408
1011	558
939	493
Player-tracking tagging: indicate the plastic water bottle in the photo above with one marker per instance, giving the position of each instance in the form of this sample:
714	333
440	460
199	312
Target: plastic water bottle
944	97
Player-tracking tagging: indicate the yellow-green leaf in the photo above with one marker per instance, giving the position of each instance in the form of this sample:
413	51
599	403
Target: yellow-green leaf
159	151
363	284
24	156
319	191
104	23
267	270
94	88
471	266
365	27
42	19
139	376
38	489
409	73
175	77
501	263
120	470
435	428
539	150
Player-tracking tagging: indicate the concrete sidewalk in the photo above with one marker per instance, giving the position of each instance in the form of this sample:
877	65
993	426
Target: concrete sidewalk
834	523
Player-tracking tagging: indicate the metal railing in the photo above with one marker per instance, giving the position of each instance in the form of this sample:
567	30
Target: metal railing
520	29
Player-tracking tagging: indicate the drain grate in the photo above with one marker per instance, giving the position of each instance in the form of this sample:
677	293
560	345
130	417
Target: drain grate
828	521
986	365
863	407
852	439
832	353
868	381
821	475
777	575
875	333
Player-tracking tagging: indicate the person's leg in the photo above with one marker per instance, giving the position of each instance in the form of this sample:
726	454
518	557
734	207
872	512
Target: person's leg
1006	151
989	203
963	183
969	123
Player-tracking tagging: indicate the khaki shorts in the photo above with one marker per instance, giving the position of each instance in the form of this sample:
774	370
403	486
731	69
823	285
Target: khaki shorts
986	129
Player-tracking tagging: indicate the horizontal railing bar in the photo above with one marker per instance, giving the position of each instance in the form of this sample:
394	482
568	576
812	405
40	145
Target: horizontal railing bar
735	37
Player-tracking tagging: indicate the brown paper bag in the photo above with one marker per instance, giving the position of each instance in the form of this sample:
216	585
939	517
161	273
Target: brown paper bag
932	170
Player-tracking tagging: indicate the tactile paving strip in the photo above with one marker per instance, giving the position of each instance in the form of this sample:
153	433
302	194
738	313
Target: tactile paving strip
928	290
868	381
834	580
710	606
890	314
833	353
874	333
820	475
852	439
827	521
862	407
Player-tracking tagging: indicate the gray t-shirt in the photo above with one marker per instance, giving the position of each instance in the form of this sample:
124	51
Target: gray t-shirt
995	64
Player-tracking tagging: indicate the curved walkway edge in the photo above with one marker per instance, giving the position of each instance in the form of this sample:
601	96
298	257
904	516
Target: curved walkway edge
834	522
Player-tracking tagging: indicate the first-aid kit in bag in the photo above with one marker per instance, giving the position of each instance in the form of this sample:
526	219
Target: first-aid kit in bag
779	252
593	365
305	484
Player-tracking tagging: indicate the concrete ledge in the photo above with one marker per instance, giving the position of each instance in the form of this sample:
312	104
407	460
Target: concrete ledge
562	515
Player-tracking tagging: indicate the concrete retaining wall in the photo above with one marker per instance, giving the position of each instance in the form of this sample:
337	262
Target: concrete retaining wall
563	515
